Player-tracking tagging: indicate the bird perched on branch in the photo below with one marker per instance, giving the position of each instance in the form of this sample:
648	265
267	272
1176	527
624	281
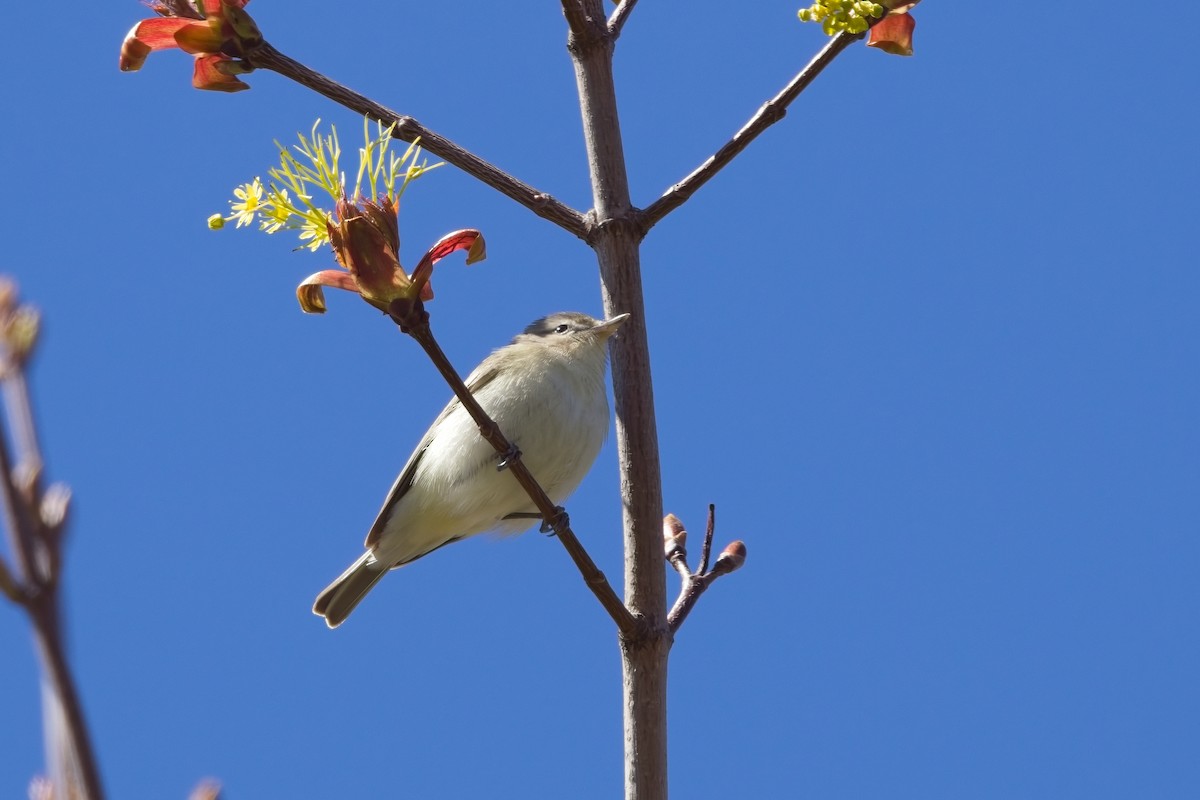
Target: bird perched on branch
546	392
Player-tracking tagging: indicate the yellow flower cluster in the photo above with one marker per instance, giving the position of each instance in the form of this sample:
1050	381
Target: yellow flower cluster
841	15
288	203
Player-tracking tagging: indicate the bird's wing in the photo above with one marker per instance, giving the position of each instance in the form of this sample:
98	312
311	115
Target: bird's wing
482	376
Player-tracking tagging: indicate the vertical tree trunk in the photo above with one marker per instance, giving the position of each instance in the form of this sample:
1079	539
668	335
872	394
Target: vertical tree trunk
616	236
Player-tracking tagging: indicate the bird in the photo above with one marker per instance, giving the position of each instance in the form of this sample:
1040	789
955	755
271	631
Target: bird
546	392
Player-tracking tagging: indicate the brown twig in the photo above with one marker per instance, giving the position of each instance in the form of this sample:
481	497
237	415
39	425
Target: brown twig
34	519
407	129
709	529
696	583
414	321
771	112
619	16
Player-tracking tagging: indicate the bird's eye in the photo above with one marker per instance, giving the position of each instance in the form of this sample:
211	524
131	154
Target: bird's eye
562	328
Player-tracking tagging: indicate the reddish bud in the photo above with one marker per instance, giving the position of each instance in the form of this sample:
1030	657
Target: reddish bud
731	558
55	503
208	790
674	536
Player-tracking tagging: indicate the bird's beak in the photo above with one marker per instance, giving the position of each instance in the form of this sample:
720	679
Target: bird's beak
609	326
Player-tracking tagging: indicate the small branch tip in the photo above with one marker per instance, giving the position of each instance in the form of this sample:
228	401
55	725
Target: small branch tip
674	537
732	558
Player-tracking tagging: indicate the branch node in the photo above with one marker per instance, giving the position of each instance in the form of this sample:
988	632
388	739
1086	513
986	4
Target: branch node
411	316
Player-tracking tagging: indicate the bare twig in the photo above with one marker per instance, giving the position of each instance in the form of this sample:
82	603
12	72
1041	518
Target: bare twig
709	529
617	21
770	113
407	129
414	320
34	520
696	583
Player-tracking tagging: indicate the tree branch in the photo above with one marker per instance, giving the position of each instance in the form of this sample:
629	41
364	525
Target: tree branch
709	529
407	129
414	321
581	18
696	583
35	542
616	238
620	14
771	112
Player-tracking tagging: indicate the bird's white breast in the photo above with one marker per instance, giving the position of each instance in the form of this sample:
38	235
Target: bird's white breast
557	415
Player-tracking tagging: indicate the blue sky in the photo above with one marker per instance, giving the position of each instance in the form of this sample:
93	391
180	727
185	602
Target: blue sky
930	345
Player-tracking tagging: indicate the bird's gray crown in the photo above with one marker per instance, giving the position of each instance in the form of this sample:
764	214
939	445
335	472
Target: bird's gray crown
561	324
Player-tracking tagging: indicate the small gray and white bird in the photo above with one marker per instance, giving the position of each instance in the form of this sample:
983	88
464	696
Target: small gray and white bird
546	391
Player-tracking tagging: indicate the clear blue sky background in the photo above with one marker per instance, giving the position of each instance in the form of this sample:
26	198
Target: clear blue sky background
931	347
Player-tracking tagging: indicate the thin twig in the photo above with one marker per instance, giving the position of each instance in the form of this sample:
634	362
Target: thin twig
770	113
617	21
696	583
706	547
37	555
415	322
407	129
689	593
18	519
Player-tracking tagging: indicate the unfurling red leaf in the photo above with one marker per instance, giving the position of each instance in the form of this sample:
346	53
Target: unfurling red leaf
893	34
310	294
467	239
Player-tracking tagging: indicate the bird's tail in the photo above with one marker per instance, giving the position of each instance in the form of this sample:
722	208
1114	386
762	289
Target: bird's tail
339	598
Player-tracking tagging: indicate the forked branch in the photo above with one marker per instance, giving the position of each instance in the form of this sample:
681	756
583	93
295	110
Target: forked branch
696	583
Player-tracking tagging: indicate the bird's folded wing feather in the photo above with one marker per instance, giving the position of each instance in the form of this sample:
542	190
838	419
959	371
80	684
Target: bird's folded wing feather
482	376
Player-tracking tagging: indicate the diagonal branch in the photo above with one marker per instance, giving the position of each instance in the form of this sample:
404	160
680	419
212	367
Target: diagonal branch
413	320
617	21
407	129
36	547
771	112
